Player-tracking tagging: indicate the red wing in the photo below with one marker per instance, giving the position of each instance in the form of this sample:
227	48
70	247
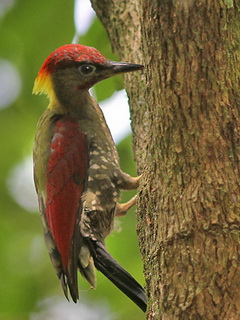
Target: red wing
66	177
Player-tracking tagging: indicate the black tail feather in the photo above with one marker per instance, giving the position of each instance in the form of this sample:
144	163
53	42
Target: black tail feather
105	263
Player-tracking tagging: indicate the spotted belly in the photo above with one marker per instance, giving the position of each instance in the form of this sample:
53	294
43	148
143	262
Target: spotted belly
97	224
102	194
99	203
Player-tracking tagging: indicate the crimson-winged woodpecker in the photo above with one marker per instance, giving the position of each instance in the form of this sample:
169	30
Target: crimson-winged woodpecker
76	170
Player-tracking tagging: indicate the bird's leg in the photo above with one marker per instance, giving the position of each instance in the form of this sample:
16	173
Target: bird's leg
126	182
122	208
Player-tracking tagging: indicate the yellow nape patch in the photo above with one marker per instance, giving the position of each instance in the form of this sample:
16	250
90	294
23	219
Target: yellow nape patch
43	84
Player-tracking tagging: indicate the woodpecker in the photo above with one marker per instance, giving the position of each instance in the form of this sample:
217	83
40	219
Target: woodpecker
76	170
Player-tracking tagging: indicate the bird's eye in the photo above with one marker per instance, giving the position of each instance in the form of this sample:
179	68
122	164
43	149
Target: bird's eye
87	69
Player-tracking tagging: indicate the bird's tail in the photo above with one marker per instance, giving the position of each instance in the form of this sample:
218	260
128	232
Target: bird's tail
105	263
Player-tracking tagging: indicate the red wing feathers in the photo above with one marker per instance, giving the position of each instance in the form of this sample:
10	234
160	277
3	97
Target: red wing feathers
66	175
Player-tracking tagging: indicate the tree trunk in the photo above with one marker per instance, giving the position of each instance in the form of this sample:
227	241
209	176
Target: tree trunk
185	117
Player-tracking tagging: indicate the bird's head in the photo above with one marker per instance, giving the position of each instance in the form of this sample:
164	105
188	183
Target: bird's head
75	67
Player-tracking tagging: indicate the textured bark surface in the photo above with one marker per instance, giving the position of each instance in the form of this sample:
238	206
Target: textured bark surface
186	122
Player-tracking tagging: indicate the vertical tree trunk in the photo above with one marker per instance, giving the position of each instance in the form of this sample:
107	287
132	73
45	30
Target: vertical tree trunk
186	136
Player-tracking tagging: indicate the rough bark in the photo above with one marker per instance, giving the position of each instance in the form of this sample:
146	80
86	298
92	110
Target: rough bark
185	114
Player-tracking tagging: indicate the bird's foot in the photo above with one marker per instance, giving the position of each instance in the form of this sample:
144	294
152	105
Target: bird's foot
122	208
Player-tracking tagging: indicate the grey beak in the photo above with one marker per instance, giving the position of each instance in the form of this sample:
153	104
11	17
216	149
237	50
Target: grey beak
120	67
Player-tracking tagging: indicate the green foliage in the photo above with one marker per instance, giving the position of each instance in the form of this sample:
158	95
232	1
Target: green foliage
30	30
229	3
